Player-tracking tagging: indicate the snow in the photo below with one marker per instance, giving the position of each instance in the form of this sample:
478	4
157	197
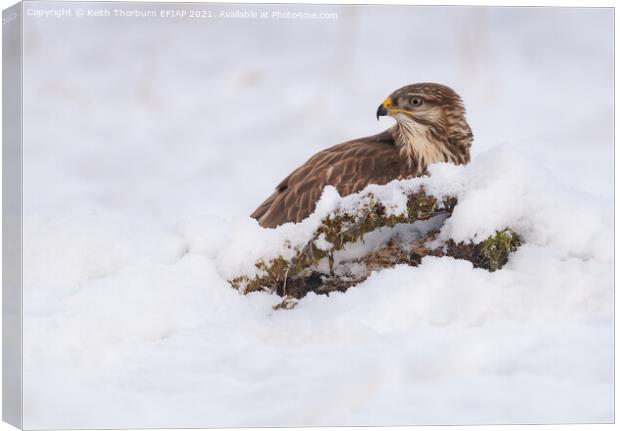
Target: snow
154	140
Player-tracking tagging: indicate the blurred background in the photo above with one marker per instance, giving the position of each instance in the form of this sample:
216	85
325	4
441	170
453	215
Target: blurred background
138	130
169	118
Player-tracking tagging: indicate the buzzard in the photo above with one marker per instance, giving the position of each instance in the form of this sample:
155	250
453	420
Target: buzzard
430	127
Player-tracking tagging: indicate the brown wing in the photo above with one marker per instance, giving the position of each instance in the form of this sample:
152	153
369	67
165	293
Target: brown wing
349	167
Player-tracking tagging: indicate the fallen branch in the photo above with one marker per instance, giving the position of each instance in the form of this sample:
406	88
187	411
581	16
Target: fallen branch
322	265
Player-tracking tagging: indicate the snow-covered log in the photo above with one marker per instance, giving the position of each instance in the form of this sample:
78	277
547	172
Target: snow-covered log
368	234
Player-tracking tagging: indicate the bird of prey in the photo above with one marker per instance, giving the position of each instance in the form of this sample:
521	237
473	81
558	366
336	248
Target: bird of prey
430	127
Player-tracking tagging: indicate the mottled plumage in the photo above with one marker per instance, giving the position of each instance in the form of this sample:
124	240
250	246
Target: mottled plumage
430	127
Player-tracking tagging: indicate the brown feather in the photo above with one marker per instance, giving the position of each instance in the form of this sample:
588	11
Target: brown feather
349	167
436	133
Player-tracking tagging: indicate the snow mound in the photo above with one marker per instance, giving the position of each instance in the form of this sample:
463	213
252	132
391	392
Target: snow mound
143	319
499	190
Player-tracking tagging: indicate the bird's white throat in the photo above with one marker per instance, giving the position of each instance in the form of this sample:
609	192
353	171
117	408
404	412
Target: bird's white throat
416	144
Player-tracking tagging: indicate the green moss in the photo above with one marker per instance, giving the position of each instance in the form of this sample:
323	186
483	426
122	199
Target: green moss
273	275
294	278
341	228
421	206
497	248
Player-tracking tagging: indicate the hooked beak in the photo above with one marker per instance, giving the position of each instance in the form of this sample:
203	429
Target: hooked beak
381	111
383	108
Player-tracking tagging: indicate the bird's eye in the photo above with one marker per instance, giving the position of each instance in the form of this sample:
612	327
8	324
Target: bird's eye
416	101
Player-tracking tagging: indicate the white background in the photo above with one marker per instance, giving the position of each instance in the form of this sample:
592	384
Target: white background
138	142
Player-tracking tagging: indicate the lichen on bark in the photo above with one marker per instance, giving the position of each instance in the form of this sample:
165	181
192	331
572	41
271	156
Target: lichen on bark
315	267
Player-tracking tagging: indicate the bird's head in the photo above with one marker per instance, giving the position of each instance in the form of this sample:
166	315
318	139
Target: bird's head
430	105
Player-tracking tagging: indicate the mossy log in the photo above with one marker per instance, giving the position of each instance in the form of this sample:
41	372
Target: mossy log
313	269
